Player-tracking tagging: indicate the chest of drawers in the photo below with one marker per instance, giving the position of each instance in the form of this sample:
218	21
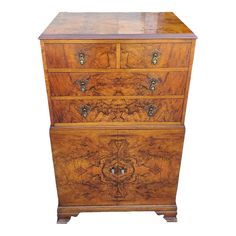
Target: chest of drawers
117	86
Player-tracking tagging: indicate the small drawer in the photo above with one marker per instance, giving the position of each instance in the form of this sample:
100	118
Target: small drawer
81	56
117	110
161	55
117	84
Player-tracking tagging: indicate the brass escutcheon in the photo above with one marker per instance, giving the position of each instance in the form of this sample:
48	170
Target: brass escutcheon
81	58
84	110
82	83
155	57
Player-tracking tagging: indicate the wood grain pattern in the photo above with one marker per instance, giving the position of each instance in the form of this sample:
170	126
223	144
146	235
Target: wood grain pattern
117	84
147	207
188	79
152	160
116	41
115	97
117	120
140	55
78	161
126	25
83	161
118	55
117	110
130	70
169	211
122	125
46	80
67	55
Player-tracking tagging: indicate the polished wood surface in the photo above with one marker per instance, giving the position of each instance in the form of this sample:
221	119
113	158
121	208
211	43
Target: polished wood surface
122	125
188	79
117	118
84	161
117	110
65	212
113	25
67	55
124	56
140	55
117	84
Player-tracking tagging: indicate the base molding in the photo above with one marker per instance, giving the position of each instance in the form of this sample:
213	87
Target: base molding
64	213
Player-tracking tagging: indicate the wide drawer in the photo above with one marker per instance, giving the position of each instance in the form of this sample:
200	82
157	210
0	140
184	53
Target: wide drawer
159	55
117	84
117	110
80	56
107	167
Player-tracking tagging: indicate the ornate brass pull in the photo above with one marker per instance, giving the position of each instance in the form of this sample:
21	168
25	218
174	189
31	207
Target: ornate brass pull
84	110
122	170
82	84
81	58
113	170
118	170
153	83
155	57
151	110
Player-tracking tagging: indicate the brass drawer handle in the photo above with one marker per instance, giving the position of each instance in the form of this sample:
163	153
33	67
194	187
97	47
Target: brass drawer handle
155	57
82	84
118	170
113	170
81	58
151	110
122	170
84	110
153	83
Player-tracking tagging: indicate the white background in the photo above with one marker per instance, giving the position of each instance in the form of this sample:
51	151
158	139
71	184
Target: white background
206	193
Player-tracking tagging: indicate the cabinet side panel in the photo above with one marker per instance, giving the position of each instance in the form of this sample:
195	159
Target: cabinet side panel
47	81
188	80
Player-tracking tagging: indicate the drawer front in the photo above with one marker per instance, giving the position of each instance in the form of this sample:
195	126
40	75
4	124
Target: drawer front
81	56
117	84
160	55
117	110
98	167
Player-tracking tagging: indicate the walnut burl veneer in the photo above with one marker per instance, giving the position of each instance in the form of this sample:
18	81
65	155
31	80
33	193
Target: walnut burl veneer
117	86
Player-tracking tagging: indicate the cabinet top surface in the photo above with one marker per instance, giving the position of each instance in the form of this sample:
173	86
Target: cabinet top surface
135	25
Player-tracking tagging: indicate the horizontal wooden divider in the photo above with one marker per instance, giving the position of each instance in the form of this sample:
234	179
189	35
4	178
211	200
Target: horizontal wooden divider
70	70
116	97
52	41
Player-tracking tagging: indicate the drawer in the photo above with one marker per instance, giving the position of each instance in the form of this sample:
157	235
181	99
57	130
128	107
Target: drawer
161	55
117	110
117	84
116	167
81	56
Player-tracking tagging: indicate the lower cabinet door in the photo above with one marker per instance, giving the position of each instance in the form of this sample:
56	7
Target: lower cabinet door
82	161
116	167
151	159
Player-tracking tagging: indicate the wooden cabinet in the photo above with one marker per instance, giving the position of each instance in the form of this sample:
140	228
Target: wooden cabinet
117	97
